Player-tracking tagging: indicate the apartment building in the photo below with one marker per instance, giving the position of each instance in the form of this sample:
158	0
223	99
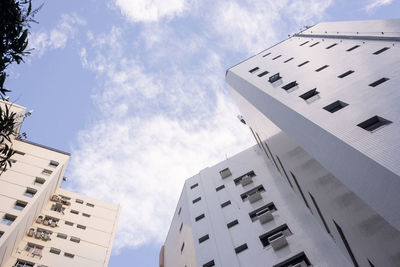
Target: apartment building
44	225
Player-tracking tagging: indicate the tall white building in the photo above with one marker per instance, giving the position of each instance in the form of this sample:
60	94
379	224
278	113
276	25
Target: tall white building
44	225
323	107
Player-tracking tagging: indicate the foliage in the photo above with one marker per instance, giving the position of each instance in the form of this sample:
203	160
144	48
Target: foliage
7	126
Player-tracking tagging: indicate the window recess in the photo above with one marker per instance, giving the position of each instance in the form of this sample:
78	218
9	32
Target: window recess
253	195
290	86
304	43
378	82
381	50
304	63
352	48
287	60
276	57
241	248
335	106
238	180
267	54
257	213
298	260
314	44
254	70
274	78
263	73
310	96
332	45
322	68
225	173
373	123
347	73
276	237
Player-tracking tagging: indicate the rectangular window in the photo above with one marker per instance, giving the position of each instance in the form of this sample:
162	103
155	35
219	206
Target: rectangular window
182	247
53	164
209	264
62	236
290	85
8	219
346	244
55	251
332	45
267	54
39	181
69	223
298	260
81	226
232	223
241	248
352	48
347	73
20	205
263	73
287	60
69	255
310	96
226	203
279	231
225	173
276	57
320	214
74	211
251	192
255	214
194	186
75	239
301	191
220	188
304	43
254	70
86	215
203	238
196	200
198	218
335	106
381	50
30	192
90	205
79	201
304	63
378	82
314	44
373	123
238	180
322	68
274	78
180	228
57	207
179	211
47	172
22	263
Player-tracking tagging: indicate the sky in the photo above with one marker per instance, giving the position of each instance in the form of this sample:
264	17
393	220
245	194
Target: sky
135	91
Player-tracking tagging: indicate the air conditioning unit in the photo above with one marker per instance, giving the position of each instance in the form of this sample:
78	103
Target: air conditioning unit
278	241
254	197
53	224
38	235
265	217
246	180
31	232
39	219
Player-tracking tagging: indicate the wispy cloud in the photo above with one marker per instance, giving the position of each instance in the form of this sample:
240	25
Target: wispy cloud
376	3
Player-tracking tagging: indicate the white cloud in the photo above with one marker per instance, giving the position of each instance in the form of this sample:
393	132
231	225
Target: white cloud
377	3
150	10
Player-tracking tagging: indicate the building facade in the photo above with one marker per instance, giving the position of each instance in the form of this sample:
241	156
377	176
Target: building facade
44	225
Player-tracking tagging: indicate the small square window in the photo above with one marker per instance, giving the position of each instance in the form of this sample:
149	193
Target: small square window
232	223
81	226
381	50
276	57
226	203
86	215
290	86
20	205
274	78
347	73
241	248
203	238
220	188
69	223
8	219
80	201
352	48
47	172
198	218
74	211
378	82
373	123
335	106
194	186
304	63
310	96
314	44
90	205
322	68
55	251
69	255
75	239
209	264
196	200
53	164
225	173
62	236
332	45
30	192
254	70
287	60
39	181
263	74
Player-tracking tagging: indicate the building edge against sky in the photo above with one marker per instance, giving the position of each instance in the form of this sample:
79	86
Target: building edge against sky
44	225
323	108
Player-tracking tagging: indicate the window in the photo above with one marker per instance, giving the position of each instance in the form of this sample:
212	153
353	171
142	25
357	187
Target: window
226	203
75	239
81	226
53	164
287	60
180	228
302	64
267	54
373	123
74	211
57	207
203	238
304	43
194	186
255	214
274	78
289	86
352	48
86	215
69	223
30	192
254	70
301	191
322	68
79	201
182	247
276	57
299	260
346	244
263	73
34	250
19	152
55	251
347	73
47	172
196	200
241	248
90	205
335	106
209	264
251	192
179	211
280	230
225	173
20	205
65	198
39	181
378	82
198	218
332	45
21	263
8	219
62	236
310	96
238	180
220	188
232	223
69	255
320	213
314	44
381	50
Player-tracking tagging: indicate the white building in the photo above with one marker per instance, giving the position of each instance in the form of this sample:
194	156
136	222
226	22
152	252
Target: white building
44	225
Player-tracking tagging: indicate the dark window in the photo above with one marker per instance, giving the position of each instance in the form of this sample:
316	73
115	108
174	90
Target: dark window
306	96
373	123
304	43
226	203
239	179
90	205
209	264
19	152
320	213
183	245
194	186
53	164
378	82
179	211
20	205
284	171
276	57
86	215
335	106
267	54
332	45
297	260
180	227
301	191
280	230
263	74
241	248
274	78
225	173
79	201
346	244
352	48
304	63
245	195
232	223
381	50
321	68
30	192
60	235
196	200
220	188
21	263
75	239
198	218
289	86
204	238
69	255
255	213
69	223
347	73
287	60
39	181
74	211
55	251
254	70
81	226
314	44
8	219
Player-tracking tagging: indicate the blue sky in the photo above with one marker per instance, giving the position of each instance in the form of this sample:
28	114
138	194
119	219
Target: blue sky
135	90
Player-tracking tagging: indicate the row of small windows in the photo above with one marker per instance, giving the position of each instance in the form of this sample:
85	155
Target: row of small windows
348	50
